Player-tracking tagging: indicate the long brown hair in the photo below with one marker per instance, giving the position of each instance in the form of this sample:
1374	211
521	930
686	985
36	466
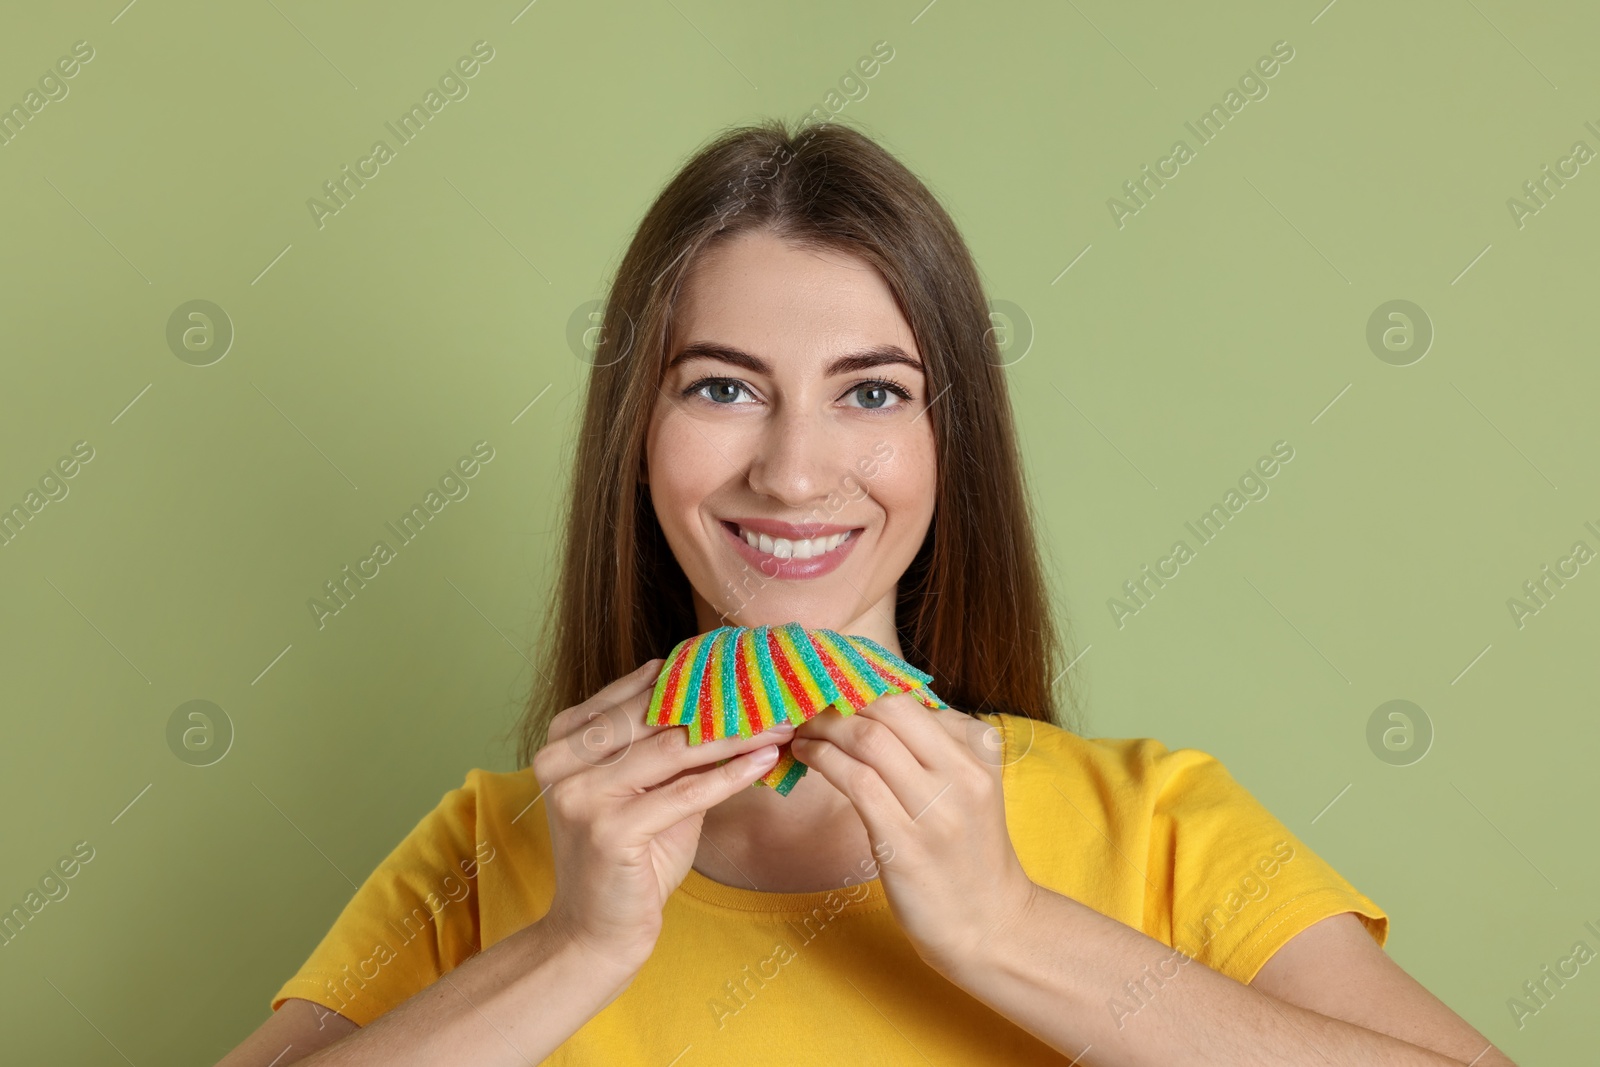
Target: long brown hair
972	608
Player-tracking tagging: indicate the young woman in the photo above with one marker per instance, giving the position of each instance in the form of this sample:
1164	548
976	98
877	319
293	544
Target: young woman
797	412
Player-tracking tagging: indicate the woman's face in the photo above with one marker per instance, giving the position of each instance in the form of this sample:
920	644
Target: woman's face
792	413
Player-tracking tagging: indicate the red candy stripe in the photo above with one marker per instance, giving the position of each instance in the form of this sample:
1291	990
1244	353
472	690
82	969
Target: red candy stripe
669	696
781	662
741	669
848	691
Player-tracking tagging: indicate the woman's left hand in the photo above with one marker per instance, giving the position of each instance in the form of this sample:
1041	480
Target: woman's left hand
935	814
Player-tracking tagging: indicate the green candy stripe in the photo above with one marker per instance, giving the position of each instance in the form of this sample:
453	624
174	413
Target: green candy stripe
813	665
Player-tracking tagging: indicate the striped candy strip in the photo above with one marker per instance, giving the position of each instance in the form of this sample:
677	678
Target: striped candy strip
740	680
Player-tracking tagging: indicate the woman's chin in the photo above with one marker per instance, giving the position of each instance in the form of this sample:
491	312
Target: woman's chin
809	619
811	616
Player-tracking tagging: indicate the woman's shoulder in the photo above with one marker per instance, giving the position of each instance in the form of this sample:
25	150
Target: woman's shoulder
1029	747
491	793
1112	785
1166	840
486	805
483	781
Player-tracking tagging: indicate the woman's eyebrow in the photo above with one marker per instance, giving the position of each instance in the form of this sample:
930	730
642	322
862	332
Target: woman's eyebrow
876	356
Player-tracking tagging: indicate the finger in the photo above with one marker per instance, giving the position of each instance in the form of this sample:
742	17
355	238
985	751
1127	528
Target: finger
656	759
920	729
613	735
881	811
599	731
661	809
875	744
641	679
780	736
597	736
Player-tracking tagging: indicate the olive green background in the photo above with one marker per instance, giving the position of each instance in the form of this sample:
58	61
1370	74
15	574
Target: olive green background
371	353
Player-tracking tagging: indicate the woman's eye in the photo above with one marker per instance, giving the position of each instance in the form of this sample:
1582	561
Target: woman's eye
874	395
717	390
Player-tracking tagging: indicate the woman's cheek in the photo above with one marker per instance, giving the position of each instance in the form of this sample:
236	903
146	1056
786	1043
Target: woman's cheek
691	454
904	462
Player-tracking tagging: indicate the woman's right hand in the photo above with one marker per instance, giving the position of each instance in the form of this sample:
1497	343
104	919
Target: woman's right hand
625	802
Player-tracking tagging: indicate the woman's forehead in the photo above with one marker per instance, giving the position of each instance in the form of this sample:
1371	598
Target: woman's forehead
787	303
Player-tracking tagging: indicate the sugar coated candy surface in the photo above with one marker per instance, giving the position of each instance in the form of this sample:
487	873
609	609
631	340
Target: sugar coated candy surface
741	680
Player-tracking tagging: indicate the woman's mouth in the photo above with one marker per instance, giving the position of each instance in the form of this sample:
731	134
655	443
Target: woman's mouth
791	557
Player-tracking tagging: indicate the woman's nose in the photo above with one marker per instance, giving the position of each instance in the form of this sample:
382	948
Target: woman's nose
795	459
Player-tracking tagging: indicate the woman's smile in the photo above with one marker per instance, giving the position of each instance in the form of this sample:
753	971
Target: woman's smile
790	550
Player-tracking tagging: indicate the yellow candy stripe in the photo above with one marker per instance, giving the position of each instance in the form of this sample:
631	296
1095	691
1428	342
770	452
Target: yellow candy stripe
717	697
867	688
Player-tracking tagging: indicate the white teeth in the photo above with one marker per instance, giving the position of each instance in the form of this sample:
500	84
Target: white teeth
785	548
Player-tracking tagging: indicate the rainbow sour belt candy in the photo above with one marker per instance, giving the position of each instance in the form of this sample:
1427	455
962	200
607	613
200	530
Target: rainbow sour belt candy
739	680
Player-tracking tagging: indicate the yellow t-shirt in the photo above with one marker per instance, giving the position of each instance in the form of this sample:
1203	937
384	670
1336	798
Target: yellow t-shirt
1163	841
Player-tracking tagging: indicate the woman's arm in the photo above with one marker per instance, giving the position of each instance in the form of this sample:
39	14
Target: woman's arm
1333	967
513	1004
1062	971
293	1032
1087	985
623	835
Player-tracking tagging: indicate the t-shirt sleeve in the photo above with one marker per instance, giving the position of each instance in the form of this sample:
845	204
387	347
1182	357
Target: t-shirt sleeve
1232	884
413	919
